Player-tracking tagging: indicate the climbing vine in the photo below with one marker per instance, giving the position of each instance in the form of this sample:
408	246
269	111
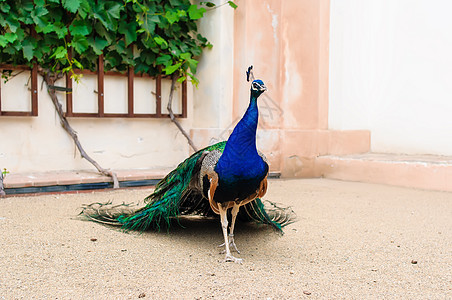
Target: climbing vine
2	176
153	36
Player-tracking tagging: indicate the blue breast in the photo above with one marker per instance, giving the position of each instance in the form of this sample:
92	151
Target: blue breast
240	169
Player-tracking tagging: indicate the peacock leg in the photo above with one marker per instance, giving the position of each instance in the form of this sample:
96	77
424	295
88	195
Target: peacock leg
224	226
234	212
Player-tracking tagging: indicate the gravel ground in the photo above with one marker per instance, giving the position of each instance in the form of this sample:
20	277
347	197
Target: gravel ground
352	241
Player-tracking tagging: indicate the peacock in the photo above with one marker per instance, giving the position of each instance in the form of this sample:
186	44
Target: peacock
227	175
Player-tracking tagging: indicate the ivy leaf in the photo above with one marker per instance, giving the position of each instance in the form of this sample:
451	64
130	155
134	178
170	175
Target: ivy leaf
193	64
27	48
114	9
57	27
149	22
48	28
12	23
147	57
196	51
80	44
141	68
195	13
3	41
193	79
59	53
78	27
39	16
171	69
10	37
42	49
161	42
39	11
77	63
175	2
208	3
201	38
175	51
100	14
163	60
185	56
11	50
171	16
111	60
4	7
129	31
98	44
60	30
71	5
84	8
27	5
103	32
40	2
232	4
120	47
20	34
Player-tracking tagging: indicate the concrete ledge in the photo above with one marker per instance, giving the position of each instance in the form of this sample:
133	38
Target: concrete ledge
77	177
300	148
293	151
416	171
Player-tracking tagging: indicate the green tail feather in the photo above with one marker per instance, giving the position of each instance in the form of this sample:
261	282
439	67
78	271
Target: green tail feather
164	203
267	212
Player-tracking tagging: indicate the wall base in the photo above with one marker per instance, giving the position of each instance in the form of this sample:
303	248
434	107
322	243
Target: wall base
424	172
293	152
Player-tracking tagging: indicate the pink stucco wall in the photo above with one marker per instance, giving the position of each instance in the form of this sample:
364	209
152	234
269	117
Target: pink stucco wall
287	42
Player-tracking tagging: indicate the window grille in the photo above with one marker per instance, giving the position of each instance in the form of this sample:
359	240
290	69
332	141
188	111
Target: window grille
100	95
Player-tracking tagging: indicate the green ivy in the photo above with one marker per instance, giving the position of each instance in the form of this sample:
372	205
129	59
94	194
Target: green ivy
154	36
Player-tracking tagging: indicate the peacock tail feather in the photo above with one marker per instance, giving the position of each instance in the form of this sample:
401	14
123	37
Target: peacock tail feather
267	212
178	194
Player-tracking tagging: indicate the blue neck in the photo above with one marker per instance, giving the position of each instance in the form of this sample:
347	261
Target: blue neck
243	139
240	157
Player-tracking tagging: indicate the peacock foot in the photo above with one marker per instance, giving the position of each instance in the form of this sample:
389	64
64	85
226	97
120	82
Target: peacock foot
232	245
230	258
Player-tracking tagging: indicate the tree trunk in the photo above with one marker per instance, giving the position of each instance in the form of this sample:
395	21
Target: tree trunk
173	118
2	190
50	81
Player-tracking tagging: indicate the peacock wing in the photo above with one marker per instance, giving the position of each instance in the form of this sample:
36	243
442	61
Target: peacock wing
174	195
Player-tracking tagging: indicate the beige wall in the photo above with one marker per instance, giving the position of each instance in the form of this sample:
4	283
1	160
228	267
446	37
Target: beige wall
391	73
31	144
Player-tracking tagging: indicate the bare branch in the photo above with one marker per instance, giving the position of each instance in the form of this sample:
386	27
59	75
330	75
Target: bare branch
173	118
50	81
2	190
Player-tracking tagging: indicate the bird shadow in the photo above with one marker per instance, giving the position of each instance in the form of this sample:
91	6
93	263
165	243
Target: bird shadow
205	231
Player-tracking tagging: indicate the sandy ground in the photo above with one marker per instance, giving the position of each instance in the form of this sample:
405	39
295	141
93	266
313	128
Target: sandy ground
352	241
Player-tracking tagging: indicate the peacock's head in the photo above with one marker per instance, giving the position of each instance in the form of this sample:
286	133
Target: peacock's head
257	88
